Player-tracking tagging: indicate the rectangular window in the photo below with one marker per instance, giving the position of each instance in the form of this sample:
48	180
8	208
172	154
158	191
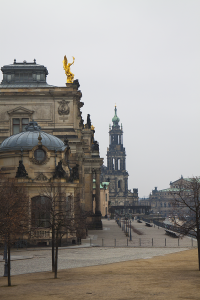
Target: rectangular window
16	126
24	123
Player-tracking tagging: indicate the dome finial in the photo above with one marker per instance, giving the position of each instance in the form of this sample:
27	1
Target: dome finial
39	139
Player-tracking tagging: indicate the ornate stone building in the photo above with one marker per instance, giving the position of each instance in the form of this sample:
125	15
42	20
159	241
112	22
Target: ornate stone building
26	96
29	158
161	200
116	172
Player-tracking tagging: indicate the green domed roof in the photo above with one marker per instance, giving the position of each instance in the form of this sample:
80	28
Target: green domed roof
115	119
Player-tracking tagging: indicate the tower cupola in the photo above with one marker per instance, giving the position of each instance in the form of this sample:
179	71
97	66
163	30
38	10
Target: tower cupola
115	119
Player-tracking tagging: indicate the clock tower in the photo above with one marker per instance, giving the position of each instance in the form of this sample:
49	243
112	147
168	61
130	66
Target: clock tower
115	172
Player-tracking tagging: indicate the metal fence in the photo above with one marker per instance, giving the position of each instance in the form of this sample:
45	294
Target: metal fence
173	228
145	242
131	240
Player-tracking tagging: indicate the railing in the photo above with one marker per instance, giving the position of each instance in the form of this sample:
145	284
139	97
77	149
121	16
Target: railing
144	241
171	227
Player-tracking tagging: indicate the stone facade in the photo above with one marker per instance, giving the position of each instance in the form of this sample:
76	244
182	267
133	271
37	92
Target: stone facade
115	172
161	200
104	197
25	96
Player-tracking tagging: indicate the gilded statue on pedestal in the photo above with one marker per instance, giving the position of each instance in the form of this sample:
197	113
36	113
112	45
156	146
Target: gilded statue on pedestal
66	66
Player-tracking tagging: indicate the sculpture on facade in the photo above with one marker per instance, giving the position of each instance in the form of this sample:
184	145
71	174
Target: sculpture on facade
66	66
21	171
74	173
88	121
95	146
59	171
66	141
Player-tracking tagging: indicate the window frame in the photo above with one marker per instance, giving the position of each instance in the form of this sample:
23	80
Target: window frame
35	155
21	124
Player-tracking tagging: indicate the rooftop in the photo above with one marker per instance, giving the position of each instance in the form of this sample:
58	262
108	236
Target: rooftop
24	74
28	139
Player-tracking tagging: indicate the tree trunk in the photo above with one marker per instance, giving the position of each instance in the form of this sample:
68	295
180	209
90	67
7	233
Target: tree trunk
56	258
198	235
9	279
198	243
52	252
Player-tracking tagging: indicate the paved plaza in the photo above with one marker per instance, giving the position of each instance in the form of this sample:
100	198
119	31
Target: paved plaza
92	253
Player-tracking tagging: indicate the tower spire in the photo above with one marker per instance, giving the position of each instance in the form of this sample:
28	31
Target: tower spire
115	119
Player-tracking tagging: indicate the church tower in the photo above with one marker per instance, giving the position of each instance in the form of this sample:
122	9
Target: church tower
115	172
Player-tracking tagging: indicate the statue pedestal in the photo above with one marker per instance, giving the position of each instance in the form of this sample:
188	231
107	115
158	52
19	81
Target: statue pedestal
68	84
94	222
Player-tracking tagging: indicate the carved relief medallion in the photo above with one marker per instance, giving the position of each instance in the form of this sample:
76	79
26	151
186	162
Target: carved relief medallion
63	108
41	177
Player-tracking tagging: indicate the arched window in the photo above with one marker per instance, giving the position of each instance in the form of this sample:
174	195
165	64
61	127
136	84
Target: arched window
113	163
40	211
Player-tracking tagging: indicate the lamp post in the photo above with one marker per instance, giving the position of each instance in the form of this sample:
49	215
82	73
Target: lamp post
6	261
130	232
158	219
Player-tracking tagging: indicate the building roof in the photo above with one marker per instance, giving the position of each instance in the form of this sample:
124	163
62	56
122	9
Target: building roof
28	139
104	185
169	190
24	74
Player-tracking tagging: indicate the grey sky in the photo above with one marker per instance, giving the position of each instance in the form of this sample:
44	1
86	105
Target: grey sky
143	55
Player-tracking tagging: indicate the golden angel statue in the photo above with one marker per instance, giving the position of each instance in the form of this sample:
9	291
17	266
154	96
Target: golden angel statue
66	66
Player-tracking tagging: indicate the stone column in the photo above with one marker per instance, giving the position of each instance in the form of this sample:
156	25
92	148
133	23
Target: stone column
97	196
88	189
116	164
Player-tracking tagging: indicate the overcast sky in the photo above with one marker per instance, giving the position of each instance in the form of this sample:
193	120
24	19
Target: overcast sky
143	55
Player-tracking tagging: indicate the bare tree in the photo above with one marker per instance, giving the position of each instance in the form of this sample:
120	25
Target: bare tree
54	209
186	206
14	216
80	219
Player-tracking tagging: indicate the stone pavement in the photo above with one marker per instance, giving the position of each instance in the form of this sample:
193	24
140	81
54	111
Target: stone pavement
111	232
39	259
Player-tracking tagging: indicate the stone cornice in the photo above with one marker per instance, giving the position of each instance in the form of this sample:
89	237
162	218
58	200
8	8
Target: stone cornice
39	91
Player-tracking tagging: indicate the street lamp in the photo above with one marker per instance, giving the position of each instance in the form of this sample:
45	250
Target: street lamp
130	232
6	261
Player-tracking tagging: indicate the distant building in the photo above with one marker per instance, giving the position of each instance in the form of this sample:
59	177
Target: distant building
161	200
116	172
